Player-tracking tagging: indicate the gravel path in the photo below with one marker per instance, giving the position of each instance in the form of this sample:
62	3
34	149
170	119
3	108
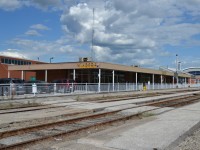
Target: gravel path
190	143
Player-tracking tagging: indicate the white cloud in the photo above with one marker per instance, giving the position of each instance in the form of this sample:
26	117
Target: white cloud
47	4
33	33
10	5
39	27
13	53
132	28
131	32
35	48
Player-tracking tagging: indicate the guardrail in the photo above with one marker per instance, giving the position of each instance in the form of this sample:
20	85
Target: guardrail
10	91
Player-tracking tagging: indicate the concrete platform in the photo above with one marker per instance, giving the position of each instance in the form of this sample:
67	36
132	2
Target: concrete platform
158	133
96	106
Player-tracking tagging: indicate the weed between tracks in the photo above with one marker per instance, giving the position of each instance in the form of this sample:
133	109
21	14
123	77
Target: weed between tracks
146	114
12	105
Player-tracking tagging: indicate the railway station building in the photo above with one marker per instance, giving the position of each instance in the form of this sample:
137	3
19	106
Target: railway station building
97	72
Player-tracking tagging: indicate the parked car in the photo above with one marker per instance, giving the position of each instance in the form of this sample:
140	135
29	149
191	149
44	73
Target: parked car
11	86
64	85
42	86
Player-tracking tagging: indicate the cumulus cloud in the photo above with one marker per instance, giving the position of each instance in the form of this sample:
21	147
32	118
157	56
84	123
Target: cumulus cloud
10	5
46	4
131	32
137	28
36	48
13	53
32	33
39	27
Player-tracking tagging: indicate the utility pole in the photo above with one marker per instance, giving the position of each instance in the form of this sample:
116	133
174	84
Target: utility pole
92	50
177	70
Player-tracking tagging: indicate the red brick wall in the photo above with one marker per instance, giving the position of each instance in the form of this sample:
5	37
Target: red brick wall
16	74
3	71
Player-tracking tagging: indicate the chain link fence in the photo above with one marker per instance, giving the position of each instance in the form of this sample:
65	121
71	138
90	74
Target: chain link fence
11	91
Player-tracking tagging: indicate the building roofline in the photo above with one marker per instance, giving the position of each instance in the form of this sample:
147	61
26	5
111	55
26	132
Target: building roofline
19	58
91	65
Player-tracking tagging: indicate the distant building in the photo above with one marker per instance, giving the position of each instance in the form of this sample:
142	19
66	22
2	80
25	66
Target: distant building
195	72
6	61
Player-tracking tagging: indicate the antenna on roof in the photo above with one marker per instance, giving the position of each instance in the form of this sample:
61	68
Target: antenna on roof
92	50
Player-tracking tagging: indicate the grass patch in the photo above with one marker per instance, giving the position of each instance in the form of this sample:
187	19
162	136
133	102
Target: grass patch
13	105
77	98
146	114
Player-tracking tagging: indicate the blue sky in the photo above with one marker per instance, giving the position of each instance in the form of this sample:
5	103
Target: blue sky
139	32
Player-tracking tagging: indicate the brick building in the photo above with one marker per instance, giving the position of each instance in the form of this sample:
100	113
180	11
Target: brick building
6	61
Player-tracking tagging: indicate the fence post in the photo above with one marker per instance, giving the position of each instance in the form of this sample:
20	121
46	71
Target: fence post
118	87
54	88
72	87
10	93
34	89
86	87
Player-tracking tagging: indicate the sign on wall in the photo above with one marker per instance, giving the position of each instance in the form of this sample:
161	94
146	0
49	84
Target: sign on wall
87	65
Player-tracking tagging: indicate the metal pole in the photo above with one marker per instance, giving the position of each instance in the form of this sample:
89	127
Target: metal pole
8	74
161	81
99	85
185	83
153	81
173	82
74	74
136	81
86	87
177	70
45	75
22	75
113	82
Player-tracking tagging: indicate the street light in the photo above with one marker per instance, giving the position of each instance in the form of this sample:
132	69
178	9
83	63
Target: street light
51	59
177	69
179	65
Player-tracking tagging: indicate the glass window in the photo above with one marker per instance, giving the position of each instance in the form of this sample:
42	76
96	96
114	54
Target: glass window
18	62
6	61
195	72
9	61
13	61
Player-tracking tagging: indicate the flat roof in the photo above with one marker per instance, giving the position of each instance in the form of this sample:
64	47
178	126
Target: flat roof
91	65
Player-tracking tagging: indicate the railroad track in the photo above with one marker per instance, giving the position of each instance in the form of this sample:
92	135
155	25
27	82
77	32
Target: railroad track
135	96
23	137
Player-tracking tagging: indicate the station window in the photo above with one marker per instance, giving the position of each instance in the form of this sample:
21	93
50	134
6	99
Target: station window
13	61
6	61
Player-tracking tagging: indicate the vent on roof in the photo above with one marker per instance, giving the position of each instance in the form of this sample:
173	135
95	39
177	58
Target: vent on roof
85	59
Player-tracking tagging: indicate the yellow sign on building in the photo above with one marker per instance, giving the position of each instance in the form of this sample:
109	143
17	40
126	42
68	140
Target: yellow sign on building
87	65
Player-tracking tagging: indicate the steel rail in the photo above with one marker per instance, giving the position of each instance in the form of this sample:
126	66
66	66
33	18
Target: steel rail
75	120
